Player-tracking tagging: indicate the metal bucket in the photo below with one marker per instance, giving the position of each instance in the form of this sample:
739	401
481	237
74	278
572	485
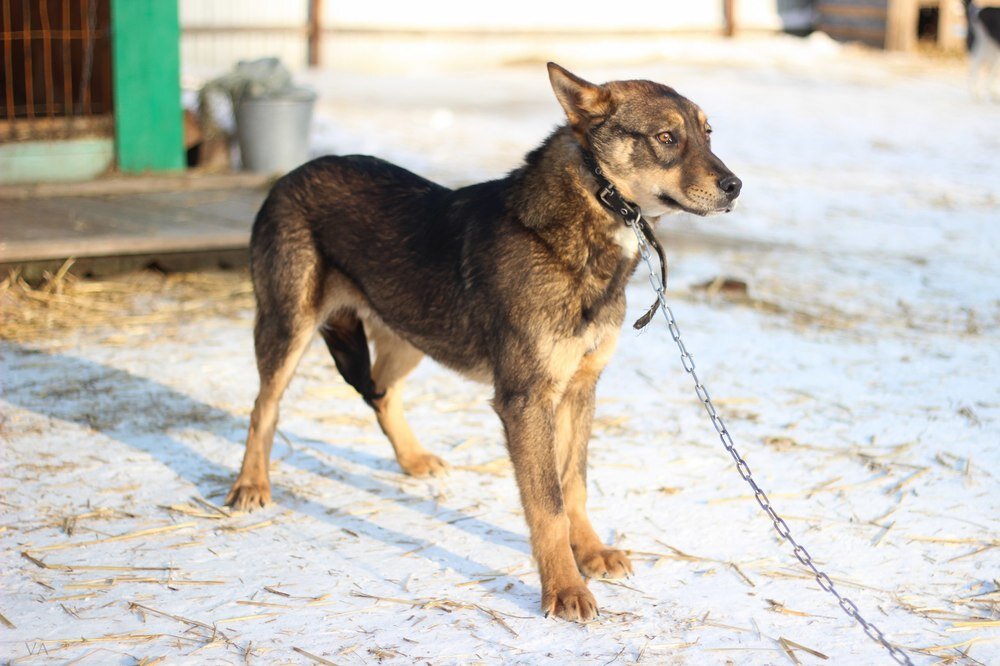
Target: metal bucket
274	131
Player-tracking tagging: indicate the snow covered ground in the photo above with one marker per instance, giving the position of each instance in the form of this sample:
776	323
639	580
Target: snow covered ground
858	375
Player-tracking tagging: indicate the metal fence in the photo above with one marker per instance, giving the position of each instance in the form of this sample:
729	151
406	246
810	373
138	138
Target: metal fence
215	34
56	73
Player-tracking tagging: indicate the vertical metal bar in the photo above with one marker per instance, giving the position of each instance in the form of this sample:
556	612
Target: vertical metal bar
729	15
29	88
315	32
50	93
87	11
8	60
67	58
109	97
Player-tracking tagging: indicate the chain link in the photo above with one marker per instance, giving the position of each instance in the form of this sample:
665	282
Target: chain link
780	526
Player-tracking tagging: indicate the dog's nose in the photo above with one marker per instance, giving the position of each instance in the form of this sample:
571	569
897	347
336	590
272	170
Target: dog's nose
731	185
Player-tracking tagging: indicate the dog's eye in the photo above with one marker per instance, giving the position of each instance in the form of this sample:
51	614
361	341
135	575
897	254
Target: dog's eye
708	128
666	137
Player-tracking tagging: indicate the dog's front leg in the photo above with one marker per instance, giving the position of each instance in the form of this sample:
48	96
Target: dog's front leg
574	418
528	416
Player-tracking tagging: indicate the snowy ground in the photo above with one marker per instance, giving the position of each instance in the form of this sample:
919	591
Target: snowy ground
858	377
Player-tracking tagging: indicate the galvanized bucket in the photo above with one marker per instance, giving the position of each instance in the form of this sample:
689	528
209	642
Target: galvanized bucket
273	131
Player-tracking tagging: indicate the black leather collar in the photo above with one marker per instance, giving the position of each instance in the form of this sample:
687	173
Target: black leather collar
631	215
608	194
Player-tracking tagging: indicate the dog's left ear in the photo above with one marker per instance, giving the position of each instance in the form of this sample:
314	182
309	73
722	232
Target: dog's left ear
585	104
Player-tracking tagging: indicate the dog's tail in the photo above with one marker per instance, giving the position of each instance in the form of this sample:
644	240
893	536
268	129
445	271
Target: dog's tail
344	336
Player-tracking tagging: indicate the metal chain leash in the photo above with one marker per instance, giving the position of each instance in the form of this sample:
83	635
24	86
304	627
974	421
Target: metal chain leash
780	526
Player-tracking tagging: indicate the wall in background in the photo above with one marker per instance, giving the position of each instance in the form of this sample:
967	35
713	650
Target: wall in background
395	34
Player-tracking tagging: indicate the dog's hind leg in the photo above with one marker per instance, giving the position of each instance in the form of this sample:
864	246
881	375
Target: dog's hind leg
289	300
574	417
394	359
279	343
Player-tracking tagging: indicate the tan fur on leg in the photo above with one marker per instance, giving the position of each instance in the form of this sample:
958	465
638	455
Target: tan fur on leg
252	487
529	422
574	418
396	358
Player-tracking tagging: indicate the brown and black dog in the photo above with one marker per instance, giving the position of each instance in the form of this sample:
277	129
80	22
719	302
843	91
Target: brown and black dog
519	282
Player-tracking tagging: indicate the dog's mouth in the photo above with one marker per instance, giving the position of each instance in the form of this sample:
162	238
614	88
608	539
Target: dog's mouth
674	204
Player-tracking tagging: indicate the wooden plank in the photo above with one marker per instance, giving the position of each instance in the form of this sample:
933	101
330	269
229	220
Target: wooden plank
855	20
729	16
901	31
111	246
292	30
866	11
145	224
51	128
315	32
186	181
951	27
390	33
873	36
222	208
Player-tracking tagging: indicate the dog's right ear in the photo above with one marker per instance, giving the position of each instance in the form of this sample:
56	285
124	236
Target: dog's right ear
585	104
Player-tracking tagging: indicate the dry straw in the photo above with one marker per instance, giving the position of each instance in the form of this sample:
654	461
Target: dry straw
63	302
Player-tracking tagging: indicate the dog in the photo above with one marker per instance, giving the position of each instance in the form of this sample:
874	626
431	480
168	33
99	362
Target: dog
519	282
983	41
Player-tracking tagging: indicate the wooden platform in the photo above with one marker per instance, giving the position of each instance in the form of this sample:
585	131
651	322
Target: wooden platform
112	225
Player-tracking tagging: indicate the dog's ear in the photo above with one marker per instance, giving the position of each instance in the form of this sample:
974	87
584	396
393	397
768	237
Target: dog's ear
585	104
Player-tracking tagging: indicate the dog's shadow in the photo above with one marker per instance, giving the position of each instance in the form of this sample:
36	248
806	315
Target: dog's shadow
138	411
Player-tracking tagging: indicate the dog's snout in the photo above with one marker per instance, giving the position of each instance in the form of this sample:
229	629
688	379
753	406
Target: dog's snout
731	185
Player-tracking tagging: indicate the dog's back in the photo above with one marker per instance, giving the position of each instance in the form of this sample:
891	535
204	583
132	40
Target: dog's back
983	41
372	221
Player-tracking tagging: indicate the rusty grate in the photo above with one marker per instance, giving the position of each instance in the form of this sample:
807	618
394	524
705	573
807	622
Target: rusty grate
56	73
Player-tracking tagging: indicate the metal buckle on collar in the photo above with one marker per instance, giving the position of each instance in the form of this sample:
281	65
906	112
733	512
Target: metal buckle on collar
637	219
609	196
605	195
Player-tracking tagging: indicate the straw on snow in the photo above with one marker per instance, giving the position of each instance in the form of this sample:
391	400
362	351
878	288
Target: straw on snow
120	537
56	304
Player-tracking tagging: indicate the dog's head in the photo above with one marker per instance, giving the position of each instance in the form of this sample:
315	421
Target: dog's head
651	142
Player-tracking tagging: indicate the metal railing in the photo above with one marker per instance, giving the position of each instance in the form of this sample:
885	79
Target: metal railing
56	72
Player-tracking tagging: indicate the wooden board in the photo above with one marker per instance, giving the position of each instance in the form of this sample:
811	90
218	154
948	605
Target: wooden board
863	21
54	228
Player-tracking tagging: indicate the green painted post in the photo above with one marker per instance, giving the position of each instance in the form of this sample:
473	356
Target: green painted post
145	39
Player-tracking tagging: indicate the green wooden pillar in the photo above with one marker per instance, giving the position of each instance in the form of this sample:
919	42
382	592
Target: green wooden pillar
145	38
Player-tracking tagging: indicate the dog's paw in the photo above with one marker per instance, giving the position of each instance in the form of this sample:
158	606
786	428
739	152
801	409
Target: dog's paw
247	496
424	464
604	563
574	603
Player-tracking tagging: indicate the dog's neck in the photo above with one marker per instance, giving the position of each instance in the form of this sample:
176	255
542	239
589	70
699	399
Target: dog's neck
557	187
608	194
631	215
568	198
